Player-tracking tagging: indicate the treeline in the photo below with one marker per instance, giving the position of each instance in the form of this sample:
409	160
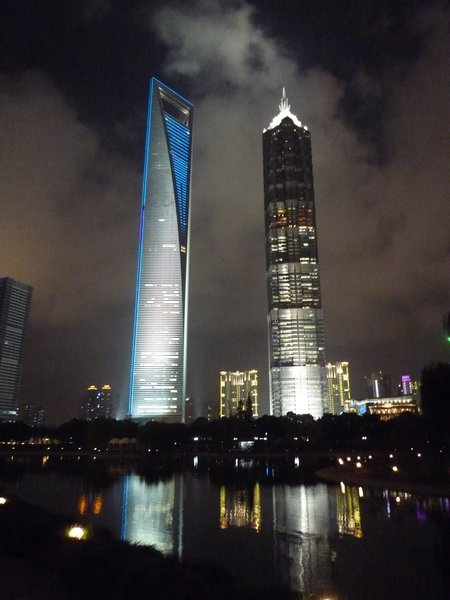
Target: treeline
345	432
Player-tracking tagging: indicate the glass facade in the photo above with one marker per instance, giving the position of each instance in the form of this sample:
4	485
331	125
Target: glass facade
157	384
295	320
15	302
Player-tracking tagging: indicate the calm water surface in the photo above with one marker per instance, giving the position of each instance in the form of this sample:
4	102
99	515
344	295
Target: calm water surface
266	523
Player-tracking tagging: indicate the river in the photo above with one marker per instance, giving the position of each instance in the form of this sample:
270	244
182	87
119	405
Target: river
266	522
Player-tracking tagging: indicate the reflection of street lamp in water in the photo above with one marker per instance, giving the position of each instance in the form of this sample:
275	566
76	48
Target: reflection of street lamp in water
76	532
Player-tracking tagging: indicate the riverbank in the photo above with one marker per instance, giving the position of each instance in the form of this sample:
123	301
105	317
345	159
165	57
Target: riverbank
401	483
39	561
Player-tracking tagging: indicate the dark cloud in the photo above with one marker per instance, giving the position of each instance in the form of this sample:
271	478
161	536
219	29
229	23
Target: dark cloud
68	217
70	189
383	225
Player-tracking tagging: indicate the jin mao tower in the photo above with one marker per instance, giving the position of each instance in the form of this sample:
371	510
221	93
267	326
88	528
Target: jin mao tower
297	369
157	383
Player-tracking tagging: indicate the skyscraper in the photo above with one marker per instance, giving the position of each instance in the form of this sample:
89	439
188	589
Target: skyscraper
338	378
379	385
15	301
96	404
297	370
235	389
157	383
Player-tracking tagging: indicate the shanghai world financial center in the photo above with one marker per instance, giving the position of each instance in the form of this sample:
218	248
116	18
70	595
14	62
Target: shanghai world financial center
157	382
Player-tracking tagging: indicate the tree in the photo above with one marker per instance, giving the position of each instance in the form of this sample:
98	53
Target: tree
435	396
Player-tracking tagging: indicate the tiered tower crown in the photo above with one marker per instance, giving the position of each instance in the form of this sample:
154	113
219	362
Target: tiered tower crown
285	111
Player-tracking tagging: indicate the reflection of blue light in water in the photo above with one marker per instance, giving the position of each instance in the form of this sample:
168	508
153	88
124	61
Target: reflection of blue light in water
267	471
420	513
388	503
124	508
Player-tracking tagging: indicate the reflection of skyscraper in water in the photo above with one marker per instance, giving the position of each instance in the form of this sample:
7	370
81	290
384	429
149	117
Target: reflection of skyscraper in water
301	527
90	503
240	507
152	513
348	510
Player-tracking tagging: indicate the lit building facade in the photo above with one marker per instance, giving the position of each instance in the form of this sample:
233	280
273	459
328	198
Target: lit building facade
338	378
235	389
385	408
406	385
298	379
157	382
15	302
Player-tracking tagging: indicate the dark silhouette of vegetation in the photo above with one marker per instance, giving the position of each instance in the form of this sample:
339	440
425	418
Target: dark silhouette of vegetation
301	433
436	405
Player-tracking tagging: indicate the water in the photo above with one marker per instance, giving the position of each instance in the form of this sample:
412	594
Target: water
266	523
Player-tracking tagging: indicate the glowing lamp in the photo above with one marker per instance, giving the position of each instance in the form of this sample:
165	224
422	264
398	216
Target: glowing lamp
76	532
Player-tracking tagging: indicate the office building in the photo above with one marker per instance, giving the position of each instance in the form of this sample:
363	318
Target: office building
298	380
236	388
378	385
96	403
338	378
157	382
406	385
15	301
32	414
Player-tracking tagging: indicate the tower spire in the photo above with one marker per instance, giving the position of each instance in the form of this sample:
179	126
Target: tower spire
284	104
285	111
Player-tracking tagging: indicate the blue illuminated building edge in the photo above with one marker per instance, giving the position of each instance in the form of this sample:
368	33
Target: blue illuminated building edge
180	137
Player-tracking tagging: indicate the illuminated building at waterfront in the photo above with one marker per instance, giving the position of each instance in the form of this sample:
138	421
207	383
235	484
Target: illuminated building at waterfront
385	408
298	380
15	301
236	387
338	379
157	381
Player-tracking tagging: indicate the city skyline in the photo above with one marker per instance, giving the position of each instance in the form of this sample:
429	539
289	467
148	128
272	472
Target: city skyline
369	80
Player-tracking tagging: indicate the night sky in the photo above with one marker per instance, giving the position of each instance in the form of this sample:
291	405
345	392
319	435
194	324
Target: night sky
370	79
